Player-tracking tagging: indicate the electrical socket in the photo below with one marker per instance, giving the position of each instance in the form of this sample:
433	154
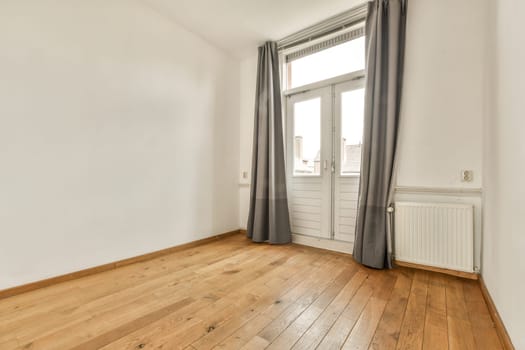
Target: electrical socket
467	175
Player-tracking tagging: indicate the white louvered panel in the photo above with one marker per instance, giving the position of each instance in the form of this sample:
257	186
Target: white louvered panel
305	186
435	234
351	205
304	209
306	223
348	213
306	201
301	215
299	225
306	219
348	221
305	231
347	229
345	207
349	185
348	196
345	237
307	194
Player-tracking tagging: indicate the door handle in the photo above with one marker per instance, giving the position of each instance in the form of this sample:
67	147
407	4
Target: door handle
332	167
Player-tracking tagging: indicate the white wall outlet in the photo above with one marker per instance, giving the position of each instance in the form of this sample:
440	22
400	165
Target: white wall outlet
467	175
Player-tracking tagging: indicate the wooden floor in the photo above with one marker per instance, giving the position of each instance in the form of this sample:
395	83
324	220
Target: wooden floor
233	294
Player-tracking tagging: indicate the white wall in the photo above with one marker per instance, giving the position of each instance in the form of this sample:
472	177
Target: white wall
248	79
503	261
115	136
442	105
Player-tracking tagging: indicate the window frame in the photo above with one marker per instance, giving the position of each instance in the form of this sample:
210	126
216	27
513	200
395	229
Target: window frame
286	71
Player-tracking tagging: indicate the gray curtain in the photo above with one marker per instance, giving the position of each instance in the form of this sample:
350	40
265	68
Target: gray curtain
268	219
385	42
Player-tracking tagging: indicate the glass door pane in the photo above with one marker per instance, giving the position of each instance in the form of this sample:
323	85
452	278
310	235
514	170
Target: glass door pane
307	137
352	112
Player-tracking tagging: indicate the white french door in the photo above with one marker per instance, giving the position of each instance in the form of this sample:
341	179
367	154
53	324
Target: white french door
323	144
308	162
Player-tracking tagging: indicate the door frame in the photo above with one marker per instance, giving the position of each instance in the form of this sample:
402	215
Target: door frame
333	87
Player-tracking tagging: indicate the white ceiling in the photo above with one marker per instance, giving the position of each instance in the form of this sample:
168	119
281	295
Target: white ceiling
239	26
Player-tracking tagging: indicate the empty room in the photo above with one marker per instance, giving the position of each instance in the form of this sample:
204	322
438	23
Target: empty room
292	174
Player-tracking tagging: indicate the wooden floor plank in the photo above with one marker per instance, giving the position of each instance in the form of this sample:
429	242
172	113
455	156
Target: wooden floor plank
389	327
194	323
301	324
364	330
436	329
233	294
192	326
97	285
281	314
116	333
137	303
276	288
317	331
412	328
301	294
336	336
484	331
322	291
460	335
90	298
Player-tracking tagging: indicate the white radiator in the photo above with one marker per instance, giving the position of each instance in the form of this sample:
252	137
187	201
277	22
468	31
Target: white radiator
435	234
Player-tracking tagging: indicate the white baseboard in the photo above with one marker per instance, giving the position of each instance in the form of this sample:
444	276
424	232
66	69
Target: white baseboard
336	246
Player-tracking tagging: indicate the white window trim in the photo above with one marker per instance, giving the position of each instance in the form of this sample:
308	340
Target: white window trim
321	39
357	75
326	27
337	79
325	30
